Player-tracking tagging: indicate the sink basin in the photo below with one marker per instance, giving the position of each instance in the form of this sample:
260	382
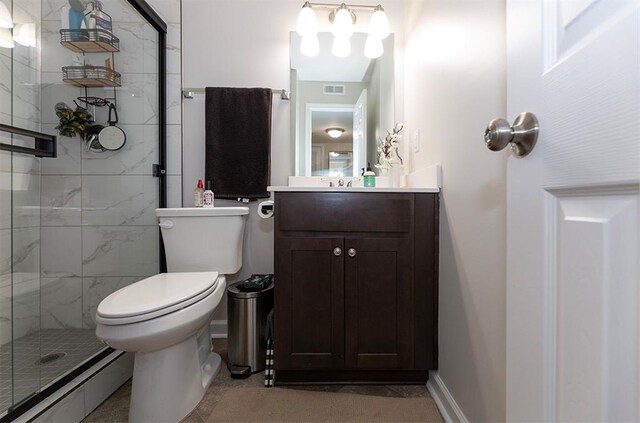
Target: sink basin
324	182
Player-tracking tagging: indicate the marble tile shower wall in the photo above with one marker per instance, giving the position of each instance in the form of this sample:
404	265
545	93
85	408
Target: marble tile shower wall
99	230
20	239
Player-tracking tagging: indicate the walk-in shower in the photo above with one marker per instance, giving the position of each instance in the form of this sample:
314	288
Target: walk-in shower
80	225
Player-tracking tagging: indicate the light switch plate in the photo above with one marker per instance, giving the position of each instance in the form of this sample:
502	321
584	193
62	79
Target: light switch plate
415	140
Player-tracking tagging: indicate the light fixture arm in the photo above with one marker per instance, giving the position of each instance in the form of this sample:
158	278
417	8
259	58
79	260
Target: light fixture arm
332	15
351	7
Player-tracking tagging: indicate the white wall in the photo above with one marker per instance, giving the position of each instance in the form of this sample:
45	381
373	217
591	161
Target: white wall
455	83
454	74
238	44
243	43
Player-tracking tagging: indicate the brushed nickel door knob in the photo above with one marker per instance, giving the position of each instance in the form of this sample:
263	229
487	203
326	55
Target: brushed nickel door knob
522	135
337	251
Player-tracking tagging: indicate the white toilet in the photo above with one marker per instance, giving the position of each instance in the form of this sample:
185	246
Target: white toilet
165	319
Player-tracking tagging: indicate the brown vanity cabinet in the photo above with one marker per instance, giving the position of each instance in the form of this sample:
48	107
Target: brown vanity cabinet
355	286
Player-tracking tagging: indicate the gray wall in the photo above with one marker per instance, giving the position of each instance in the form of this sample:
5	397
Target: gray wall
455	64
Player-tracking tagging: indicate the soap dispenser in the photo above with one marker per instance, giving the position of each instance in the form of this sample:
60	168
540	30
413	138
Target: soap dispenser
369	177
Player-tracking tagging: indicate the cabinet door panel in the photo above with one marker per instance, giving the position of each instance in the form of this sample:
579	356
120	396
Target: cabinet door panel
378	311
309	293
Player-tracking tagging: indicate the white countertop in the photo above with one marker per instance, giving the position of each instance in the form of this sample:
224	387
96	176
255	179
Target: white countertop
425	180
350	189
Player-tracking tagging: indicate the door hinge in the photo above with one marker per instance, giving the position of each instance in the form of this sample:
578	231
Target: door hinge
159	171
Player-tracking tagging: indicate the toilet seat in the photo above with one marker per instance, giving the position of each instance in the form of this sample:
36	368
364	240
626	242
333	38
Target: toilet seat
156	296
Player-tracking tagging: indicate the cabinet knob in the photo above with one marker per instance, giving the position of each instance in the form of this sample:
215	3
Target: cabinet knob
352	252
337	251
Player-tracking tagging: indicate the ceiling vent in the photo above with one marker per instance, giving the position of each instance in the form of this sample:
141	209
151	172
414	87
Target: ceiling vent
333	89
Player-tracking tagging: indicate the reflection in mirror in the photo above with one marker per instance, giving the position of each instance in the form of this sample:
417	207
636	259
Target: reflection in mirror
331	130
339	105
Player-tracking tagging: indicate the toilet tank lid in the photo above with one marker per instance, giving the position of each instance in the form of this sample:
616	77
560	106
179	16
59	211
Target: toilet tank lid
202	211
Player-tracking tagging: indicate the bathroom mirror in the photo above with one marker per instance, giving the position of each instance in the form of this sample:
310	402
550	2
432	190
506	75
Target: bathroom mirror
340	108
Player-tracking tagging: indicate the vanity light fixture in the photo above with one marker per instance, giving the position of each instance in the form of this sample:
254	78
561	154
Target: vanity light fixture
6	40
307	23
307	27
334	132
5	16
25	34
379	24
342	18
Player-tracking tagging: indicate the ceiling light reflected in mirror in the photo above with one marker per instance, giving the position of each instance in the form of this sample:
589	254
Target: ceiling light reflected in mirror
334	132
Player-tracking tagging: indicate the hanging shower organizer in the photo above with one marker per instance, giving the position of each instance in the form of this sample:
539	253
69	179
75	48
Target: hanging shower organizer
87	41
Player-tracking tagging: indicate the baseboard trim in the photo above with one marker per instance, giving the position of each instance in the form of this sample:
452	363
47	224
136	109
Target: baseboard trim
219	329
447	405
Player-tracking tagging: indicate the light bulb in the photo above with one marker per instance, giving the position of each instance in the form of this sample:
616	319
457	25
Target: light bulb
25	34
307	23
5	16
373	47
379	24
310	45
341	46
6	40
342	22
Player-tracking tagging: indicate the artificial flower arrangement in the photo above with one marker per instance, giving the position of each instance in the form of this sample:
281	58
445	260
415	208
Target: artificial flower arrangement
387	147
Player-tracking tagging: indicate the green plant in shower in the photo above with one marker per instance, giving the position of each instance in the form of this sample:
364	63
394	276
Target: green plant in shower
72	122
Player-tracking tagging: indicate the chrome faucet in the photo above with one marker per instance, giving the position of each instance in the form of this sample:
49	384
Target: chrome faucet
350	183
340	182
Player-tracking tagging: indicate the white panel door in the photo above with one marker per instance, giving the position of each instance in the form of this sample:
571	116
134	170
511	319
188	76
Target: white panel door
359	133
573	227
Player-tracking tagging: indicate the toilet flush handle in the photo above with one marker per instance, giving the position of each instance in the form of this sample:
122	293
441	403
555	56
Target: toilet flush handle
166	224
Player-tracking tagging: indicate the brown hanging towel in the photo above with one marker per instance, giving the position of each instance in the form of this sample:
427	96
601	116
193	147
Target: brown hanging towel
238	141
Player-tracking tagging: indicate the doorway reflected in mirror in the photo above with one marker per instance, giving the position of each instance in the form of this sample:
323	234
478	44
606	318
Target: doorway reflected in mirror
354	93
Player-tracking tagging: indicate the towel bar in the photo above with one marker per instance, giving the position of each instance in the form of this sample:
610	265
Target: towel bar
189	93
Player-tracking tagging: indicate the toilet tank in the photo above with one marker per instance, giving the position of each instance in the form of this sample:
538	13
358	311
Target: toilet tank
198	239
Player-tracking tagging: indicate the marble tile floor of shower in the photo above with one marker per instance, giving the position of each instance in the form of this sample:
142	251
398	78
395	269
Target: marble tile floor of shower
30	374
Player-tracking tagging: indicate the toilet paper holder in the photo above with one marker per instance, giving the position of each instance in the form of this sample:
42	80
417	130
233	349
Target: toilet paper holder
265	209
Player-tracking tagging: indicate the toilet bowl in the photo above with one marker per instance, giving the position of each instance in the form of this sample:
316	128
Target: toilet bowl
164	319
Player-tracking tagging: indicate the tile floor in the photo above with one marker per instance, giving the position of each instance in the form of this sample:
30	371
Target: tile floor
116	407
23	355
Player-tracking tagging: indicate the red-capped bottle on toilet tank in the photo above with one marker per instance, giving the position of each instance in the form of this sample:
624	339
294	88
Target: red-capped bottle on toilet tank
198	194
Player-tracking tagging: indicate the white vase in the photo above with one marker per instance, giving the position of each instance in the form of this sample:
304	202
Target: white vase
384	167
394	176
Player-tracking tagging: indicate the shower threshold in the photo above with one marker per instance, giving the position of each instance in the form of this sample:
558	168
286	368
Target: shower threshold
68	348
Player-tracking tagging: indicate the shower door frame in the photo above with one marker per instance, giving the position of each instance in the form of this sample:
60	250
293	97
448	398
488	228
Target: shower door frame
159	171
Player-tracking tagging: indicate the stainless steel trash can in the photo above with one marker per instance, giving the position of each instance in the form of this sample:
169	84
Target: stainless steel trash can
247	323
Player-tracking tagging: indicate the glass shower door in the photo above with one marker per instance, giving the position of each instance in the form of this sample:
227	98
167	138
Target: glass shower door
25	274
75	228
